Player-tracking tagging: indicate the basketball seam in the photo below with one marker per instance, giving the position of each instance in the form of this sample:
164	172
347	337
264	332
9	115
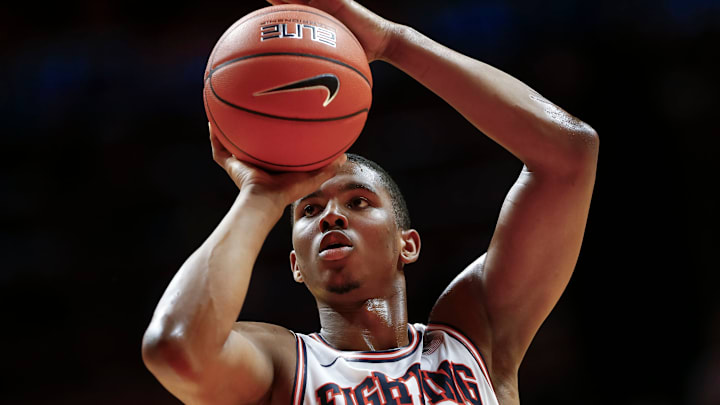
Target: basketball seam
212	88
212	117
305	55
249	17
280	117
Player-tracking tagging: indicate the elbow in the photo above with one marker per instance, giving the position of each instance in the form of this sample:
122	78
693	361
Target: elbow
591	139
165	352
586	154
585	144
579	154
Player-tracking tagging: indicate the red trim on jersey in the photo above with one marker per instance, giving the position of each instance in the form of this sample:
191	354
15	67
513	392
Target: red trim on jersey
300	372
391	354
467	343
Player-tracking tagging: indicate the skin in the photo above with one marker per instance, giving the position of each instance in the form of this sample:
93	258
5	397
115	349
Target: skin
198	351
355	204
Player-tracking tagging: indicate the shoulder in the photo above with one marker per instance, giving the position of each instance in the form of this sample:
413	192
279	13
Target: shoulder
453	359
280	345
262	329
272	339
462	305
455	344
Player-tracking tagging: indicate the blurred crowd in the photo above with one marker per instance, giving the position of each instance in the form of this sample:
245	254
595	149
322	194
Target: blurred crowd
107	185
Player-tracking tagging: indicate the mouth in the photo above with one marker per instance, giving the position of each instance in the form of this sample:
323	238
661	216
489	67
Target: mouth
335	245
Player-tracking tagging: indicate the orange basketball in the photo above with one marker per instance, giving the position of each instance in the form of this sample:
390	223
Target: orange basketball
287	88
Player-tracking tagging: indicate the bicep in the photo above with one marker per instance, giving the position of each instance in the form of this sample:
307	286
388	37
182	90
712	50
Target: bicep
240	373
532	254
245	358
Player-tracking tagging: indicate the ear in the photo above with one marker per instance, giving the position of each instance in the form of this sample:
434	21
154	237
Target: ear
295	268
410	247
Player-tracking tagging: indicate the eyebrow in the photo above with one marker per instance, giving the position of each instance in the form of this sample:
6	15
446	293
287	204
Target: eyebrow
346	187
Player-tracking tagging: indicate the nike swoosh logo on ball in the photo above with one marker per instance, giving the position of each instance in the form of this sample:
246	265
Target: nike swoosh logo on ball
327	82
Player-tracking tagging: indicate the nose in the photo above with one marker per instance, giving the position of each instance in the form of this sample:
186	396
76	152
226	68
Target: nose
333	218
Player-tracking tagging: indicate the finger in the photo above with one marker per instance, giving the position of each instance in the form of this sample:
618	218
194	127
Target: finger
331	6
335	164
279	2
322	174
302	183
340	160
220	153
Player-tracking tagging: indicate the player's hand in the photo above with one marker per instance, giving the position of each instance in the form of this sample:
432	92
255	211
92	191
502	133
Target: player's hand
280	188
374	32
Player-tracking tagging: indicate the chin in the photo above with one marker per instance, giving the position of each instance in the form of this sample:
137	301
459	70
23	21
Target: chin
344	288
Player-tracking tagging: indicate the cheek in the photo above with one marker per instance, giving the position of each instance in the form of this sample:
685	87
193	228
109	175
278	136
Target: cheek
301	241
384	237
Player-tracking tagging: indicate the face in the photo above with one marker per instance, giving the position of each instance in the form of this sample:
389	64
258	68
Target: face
346	240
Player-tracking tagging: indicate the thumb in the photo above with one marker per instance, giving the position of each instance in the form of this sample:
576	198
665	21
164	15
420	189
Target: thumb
322	174
278	2
307	182
331	6
220	153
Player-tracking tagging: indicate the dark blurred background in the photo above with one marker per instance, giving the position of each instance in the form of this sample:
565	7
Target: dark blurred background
107	185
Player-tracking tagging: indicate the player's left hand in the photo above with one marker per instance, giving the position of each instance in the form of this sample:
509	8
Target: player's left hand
280	188
374	32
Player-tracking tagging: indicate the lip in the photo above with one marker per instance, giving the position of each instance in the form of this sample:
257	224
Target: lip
335	253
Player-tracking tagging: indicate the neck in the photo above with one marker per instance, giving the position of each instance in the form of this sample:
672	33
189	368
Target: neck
370	324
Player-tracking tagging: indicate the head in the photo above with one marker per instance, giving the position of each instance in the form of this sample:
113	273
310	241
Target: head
352	237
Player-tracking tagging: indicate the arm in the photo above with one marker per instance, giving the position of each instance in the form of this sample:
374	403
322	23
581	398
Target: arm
192	344
537	240
538	236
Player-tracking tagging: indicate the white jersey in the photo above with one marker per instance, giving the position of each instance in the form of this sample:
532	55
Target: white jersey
440	365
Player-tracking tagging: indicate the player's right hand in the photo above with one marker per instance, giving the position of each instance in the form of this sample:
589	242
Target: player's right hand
281	188
373	31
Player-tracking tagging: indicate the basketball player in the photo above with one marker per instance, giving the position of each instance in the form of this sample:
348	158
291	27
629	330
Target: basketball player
352	239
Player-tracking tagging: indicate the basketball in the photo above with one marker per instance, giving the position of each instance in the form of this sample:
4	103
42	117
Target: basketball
287	88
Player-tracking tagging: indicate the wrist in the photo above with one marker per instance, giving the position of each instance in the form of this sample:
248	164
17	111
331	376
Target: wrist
398	36
268	205
394	34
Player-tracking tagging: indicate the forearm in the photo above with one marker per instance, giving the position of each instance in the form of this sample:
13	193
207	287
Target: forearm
536	131
202	302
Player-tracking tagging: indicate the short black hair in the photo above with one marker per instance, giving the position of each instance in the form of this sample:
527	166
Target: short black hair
402	215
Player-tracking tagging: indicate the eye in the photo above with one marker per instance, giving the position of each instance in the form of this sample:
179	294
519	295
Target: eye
310	210
359	203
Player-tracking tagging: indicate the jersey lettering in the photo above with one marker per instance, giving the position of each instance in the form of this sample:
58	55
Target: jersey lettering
368	392
453	382
327	393
396	392
349	398
466	381
441	385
